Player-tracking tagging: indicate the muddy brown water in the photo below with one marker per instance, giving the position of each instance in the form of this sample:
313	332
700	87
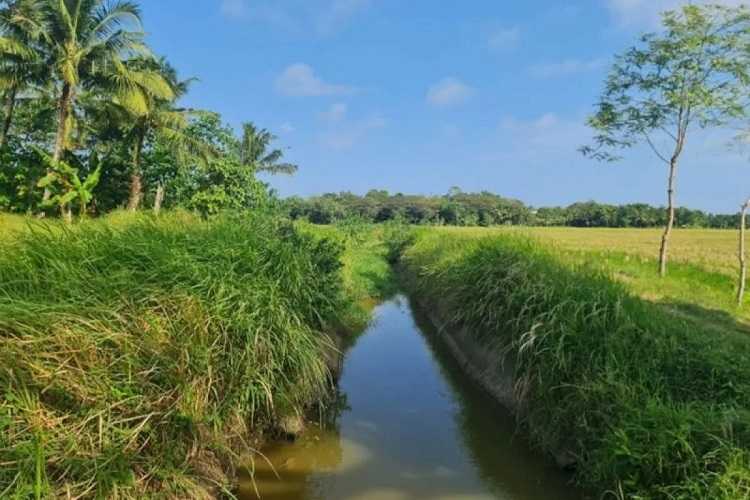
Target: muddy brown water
414	427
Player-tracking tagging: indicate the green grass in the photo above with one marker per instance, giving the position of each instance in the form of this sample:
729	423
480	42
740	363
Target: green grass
140	357
714	250
701	283
13	225
368	277
652	403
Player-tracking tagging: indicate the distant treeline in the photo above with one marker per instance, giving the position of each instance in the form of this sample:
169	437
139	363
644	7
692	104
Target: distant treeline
487	209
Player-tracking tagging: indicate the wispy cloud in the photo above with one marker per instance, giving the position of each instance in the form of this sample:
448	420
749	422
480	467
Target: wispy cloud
337	14
449	92
647	13
347	134
545	139
287	128
300	80
336	113
566	68
504	38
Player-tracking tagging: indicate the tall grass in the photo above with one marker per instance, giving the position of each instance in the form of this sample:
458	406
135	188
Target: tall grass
368	276
140	356
12	225
652	405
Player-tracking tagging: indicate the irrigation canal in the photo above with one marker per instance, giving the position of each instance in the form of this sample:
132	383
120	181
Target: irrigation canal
413	426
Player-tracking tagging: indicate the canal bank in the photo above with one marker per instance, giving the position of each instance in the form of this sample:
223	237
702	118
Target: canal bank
412	425
650	404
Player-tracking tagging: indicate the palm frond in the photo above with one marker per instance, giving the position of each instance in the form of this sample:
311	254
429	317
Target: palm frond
279	168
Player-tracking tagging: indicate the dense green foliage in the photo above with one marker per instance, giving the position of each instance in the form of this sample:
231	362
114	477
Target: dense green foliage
80	86
486	209
651	405
140	354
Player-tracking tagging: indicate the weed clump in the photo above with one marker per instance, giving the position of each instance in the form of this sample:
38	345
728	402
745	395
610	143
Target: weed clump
140	356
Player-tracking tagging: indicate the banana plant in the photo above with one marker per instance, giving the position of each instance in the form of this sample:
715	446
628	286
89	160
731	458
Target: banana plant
66	177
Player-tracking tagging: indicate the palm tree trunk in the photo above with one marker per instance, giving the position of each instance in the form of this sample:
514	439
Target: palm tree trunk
61	139
10	107
136	178
66	101
742	255
664	251
159	199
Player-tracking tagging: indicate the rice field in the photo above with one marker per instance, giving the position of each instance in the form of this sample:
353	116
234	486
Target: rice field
701	283
714	250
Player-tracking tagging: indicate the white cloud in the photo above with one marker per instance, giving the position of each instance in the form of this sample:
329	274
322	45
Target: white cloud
336	113
504	38
287	128
338	13
647	13
299	80
546	133
566	68
449	92
348	134
234	8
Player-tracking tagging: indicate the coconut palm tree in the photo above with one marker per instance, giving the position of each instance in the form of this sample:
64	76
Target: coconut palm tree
89	42
254	152
22	65
162	120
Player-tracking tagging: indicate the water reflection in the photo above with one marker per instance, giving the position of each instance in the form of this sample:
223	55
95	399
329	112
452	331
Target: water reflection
415	428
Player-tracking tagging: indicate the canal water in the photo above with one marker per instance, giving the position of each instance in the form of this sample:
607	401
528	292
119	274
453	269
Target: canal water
413	426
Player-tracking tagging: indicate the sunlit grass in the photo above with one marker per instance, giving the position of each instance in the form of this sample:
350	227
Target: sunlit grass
652	404
139	356
701	280
368	277
13	225
712	249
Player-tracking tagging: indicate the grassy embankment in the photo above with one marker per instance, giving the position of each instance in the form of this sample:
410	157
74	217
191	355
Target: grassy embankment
652	403
702	277
140	358
367	274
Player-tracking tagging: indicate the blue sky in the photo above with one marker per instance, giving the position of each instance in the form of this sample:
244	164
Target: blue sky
418	96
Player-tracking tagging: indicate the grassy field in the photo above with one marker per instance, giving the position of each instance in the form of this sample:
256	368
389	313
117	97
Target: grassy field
652	404
652	395
714	250
711	249
702	276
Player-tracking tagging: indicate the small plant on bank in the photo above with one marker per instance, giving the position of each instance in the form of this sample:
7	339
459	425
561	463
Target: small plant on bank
398	236
65	185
